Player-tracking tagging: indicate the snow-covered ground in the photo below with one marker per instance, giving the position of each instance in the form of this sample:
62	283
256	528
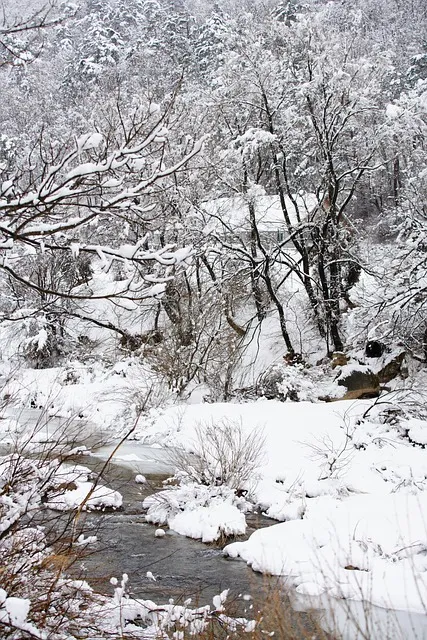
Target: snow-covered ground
347	485
87	403
351	492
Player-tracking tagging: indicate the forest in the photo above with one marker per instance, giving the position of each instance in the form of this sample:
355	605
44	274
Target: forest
213	243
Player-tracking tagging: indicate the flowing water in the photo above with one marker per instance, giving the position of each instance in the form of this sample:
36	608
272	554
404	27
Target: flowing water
183	568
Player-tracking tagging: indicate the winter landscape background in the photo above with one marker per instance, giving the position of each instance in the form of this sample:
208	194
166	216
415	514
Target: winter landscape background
213	269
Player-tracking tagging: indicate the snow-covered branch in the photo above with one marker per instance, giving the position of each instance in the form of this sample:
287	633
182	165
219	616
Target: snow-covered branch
93	187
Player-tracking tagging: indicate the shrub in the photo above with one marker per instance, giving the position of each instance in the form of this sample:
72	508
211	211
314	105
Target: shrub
287	382
224	454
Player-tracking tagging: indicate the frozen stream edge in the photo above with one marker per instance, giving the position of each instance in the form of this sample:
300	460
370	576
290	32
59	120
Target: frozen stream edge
348	617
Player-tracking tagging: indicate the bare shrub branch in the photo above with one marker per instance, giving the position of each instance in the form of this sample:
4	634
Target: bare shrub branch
224	454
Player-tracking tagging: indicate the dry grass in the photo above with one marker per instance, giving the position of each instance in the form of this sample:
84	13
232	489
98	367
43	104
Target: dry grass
274	616
277	617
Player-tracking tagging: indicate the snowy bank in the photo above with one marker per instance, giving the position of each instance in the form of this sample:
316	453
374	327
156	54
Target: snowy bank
74	489
351	490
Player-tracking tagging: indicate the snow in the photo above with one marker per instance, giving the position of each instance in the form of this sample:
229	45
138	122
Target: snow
351	493
219	600
347	370
120	611
86	496
76	402
112	182
269	215
82	541
138	457
393	111
199	512
362	548
417	430
76	491
14	612
6	186
210	522
288	429
140	479
348	492
18	609
89	141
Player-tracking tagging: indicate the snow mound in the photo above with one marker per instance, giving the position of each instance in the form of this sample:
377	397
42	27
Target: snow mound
363	548
75	490
195	511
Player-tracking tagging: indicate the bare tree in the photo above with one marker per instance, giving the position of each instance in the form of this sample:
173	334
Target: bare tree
95	198
21	37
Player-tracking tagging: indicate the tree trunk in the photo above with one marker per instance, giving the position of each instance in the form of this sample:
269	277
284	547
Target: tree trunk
255	275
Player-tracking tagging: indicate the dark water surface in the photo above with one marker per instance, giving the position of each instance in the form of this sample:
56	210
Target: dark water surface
183	567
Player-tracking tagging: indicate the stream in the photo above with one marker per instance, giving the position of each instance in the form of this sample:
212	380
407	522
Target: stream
182	567
186	568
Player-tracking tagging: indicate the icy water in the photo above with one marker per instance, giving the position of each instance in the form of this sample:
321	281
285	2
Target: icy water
33	430
183	568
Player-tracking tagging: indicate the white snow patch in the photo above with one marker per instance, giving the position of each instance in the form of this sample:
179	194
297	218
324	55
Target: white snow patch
198	512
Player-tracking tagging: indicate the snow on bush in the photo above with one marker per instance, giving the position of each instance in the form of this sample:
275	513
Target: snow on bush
35	599
73	489
197	511
298	383
223	453
58	486
286	382
125	614
224	463
88	495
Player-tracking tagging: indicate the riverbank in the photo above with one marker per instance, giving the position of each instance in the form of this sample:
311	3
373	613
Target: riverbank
171	567
346	481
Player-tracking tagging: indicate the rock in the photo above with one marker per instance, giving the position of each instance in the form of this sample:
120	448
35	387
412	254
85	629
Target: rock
293	358
160	533
374	349
66	486
359	381
339	359
392	368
